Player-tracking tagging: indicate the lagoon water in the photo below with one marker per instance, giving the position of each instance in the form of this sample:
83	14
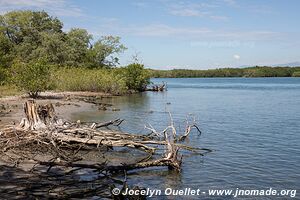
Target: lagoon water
252	124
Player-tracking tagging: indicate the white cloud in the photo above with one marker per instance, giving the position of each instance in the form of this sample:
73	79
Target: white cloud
55	7
246	38
230	2
236	57
187	12
150	30
262	9
186	9
140	4
34	3
220	18
165	30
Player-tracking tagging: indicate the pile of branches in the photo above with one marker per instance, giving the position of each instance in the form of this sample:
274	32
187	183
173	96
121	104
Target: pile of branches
157	87
41	132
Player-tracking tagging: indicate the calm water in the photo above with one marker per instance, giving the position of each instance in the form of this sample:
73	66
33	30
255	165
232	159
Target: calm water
252	124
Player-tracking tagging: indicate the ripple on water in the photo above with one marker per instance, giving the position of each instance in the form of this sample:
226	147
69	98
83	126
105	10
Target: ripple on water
252	124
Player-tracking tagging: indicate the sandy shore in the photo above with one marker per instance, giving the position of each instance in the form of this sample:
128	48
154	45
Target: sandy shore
22	178
66	104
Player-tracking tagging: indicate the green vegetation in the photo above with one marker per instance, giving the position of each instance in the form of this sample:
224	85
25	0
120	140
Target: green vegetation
10	90
2	76
33	77
296	74
115	81
96	80
228	72
30	36
136	77
37	55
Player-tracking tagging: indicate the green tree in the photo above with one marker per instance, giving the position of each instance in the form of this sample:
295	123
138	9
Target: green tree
2	76
33	77
25	32
6	49
19	26
137	78
105	51
51	49
78	43
31	35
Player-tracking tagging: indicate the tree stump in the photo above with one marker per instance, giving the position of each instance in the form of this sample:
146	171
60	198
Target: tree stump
37	116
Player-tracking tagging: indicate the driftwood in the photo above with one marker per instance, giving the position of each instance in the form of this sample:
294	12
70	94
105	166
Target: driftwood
42	126
37	117
157	88
170	160
41	132
115	122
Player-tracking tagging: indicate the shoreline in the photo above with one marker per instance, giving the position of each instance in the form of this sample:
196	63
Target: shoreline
29	165
66	104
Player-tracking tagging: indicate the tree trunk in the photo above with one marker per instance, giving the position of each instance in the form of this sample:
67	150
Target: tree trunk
37	117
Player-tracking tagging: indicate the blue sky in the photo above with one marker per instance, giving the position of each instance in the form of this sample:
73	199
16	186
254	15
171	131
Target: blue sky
197	34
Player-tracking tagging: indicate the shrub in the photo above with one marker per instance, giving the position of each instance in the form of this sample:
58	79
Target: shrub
82	79
296	74
137	78
33	77
2	76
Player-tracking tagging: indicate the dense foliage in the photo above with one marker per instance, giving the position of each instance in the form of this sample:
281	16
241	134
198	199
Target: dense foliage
96	80
2	76
136	77
37	55
115	81
31	35
229	72
296	74
33	77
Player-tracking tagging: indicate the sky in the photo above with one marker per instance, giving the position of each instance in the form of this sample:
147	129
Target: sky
194	34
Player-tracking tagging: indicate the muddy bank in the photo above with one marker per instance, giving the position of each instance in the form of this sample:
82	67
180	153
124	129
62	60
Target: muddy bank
67	104
48	145
22	178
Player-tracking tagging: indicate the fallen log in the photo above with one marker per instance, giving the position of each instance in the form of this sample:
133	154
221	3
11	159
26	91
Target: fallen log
116	122
63	144
171	160
112	142
42	130
157	88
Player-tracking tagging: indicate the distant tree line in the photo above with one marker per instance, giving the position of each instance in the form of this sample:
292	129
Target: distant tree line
256	71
